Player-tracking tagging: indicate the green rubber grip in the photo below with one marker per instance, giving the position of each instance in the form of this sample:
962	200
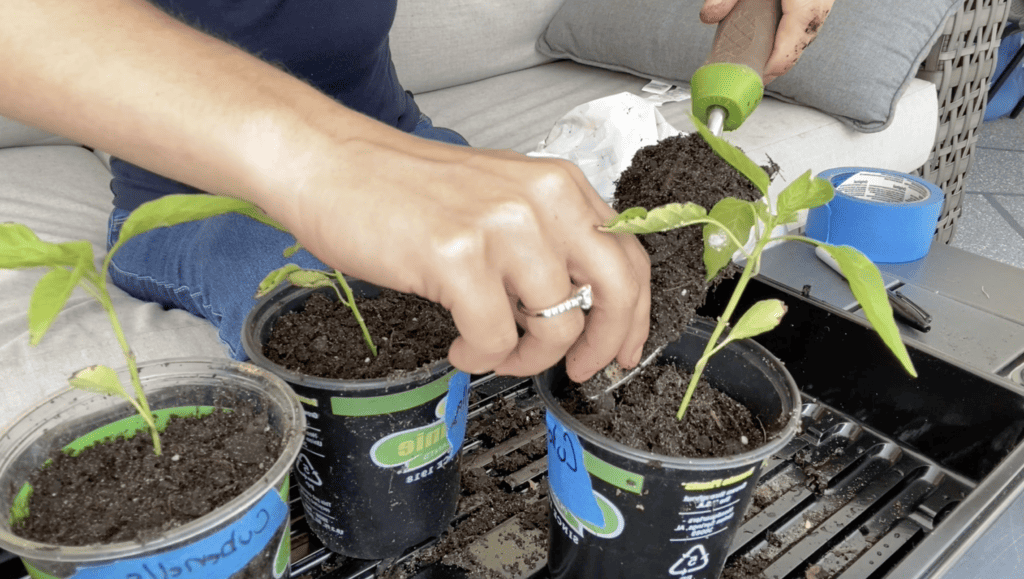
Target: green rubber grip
732	75
734	87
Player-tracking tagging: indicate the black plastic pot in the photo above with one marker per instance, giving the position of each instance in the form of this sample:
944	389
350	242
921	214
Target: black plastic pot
619	512
378	472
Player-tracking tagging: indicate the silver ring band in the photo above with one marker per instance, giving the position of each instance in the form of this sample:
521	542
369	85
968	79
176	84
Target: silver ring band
583	299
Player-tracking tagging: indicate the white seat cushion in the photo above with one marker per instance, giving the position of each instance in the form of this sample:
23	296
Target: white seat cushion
63	194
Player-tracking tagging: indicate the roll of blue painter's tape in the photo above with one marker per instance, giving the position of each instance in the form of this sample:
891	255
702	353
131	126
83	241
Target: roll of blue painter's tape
889	216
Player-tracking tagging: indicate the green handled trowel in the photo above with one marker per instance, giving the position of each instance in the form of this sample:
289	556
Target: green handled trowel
729	85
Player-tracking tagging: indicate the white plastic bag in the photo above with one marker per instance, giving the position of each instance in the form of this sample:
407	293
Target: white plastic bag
602	136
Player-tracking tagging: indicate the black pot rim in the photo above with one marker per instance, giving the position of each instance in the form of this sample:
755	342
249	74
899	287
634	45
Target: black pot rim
271	306
754	455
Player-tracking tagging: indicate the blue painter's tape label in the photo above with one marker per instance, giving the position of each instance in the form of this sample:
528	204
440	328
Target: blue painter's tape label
218	556
568	478
456	410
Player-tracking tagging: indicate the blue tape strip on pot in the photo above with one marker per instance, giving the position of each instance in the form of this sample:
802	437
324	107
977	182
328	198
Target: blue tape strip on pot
889	216
218	556
456	410
567	476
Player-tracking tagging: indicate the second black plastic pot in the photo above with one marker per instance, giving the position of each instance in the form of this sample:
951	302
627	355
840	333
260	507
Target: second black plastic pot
379	469
619	512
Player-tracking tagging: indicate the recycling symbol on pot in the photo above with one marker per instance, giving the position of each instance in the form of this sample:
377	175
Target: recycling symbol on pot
306	470
692	561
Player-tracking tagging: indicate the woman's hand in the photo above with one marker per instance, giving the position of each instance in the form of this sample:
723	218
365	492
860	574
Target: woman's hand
478	231
801	20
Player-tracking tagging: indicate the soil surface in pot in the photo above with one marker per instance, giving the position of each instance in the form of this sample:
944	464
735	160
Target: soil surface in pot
642	414
677	169
119	490
323	338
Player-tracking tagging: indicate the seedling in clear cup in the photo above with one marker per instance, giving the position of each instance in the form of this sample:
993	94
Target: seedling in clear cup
71	265
729	227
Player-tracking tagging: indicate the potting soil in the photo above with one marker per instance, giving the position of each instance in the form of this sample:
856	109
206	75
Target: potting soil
323	339
121	491
678	170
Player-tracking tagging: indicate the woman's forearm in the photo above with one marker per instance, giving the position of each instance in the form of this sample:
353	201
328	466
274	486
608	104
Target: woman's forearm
122	76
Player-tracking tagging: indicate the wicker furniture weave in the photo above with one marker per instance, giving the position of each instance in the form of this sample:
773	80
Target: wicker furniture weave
960	65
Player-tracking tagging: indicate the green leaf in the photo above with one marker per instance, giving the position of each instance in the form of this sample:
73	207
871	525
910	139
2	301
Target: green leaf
99	379
664	218
738	217
48	299
275	278
19	508
804	193
869	289
735	157
763	212
292	250
174	209
763	316
20	248
309	278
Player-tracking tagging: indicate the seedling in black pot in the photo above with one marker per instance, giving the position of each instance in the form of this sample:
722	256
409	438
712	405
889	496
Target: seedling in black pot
728	228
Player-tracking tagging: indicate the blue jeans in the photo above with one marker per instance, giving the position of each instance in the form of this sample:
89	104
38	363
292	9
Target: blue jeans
213	267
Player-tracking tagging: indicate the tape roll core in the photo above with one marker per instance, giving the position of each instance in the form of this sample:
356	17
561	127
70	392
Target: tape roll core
889	216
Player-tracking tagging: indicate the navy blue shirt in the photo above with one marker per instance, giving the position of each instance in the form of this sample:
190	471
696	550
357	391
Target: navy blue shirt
339	46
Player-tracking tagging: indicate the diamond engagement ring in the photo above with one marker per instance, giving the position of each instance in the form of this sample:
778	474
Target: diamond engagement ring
583	298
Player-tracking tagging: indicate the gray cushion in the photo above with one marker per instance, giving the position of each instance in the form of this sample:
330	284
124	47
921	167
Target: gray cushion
864	57
442	43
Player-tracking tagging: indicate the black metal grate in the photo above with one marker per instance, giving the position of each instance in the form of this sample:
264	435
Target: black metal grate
842	501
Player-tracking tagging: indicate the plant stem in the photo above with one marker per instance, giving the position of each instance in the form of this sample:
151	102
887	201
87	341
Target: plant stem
355	311
711	347
133	370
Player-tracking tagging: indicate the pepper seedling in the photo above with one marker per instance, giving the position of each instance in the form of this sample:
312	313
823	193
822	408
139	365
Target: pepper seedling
728	228
313	278
71	265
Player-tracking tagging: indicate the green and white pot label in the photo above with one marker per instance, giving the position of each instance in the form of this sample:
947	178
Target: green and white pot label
418	447
574	527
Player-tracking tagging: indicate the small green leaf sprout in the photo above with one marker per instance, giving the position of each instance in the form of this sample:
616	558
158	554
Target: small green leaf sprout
728	228
71	265
311	278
